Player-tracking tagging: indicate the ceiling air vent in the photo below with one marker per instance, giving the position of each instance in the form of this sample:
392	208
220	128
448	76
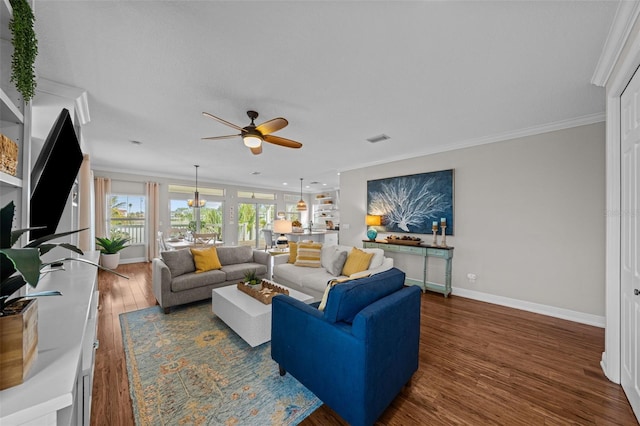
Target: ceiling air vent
379	138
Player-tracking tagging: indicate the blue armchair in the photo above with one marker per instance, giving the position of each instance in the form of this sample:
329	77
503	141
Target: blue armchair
358	353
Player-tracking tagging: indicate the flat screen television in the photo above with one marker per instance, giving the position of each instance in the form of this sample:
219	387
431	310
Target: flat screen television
53	176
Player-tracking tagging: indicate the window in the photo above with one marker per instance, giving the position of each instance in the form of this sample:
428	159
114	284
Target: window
290	203
256	195
127	217
185	219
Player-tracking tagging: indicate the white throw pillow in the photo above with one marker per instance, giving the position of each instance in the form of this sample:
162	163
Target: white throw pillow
377	259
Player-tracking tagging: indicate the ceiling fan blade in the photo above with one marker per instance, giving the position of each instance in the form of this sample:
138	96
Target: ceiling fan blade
272	125
257	150
277	140
220	120
211	138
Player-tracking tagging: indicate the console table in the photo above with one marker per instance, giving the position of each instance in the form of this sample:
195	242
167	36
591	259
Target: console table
57	390
425	251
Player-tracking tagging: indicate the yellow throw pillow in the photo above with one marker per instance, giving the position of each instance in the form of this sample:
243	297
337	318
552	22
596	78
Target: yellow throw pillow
206	259
308	255
293	251
357	261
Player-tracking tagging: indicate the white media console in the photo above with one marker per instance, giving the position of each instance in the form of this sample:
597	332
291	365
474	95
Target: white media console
57	390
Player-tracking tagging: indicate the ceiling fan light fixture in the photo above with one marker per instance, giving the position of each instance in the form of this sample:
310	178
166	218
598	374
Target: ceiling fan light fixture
252	138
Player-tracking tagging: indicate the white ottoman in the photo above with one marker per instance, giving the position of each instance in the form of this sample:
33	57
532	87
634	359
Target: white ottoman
248	317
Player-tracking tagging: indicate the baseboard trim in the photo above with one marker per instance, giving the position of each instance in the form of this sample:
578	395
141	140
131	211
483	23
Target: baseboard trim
133	260
552	311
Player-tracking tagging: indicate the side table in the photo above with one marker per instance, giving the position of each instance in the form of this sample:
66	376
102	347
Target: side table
273	253
425	251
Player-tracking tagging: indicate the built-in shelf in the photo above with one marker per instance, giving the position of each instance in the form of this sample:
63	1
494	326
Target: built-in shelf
14	113
6	180
9	112
325	209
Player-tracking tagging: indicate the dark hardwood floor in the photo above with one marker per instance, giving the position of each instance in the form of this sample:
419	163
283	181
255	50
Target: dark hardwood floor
480	364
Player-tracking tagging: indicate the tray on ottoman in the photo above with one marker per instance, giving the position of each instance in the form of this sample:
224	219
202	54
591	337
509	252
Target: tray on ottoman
265	293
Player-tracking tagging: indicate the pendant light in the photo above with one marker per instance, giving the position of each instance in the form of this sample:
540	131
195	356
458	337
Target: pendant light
301	206
196	201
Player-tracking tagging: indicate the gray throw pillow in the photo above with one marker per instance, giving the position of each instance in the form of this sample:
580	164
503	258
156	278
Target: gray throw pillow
180	262
338	259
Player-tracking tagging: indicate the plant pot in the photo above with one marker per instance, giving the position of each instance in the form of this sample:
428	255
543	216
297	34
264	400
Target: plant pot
18	343
256	286
110	261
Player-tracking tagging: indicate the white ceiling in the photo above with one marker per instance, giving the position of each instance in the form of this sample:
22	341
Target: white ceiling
432	75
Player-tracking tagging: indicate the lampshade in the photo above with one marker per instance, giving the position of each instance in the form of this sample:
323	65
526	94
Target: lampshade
373	220
301	206
252	139
282	226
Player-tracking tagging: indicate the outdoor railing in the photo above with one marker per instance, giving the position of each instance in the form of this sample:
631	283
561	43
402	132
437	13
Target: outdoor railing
132	228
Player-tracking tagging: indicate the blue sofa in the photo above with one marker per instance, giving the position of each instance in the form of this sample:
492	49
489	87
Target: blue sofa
358	353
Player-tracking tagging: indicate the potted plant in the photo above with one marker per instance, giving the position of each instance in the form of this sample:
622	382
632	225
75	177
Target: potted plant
18	315
251	279
110	250
25	48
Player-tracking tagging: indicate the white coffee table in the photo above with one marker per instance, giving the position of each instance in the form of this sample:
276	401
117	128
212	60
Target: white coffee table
248	317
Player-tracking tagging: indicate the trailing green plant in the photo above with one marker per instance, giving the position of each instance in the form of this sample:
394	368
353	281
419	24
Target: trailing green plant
111	245
23	265
25	48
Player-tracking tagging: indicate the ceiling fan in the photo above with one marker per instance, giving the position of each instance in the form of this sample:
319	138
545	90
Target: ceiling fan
253	135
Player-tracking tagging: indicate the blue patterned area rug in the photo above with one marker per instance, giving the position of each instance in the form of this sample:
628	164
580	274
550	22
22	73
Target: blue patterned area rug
189	368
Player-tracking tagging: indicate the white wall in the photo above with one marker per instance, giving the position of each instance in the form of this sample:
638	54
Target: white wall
529	219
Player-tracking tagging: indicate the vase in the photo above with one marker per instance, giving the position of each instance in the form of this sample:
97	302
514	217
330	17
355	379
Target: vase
110	261
19	343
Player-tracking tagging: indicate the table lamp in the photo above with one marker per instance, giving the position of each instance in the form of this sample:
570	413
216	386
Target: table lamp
373	220
282	227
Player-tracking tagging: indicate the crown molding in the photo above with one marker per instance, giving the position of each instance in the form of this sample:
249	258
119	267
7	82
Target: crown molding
501	137
626	16
75	94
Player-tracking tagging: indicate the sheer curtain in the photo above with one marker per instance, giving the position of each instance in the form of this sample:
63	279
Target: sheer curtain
153	218
102	190
85	206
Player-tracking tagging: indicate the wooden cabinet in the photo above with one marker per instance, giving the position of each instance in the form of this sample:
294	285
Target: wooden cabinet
58	388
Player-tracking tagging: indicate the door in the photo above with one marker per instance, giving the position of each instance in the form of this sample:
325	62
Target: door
630	242
252	218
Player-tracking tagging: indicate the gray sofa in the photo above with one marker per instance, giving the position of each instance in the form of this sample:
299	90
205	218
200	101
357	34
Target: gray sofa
175	281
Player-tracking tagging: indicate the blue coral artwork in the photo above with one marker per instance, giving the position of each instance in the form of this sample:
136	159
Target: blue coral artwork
413	203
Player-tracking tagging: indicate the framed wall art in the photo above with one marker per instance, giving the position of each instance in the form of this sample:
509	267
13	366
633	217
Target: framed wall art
412	203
